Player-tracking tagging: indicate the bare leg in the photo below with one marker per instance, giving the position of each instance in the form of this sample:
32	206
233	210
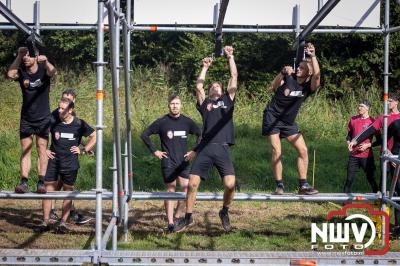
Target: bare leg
194	182
299	144
169	204
229	190
276	152
41	146
46	204
66	204
180	209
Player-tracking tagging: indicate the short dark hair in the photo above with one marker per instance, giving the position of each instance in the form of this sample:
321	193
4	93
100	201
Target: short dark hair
395	95
218	82
70	103
173	97
365	102
69	91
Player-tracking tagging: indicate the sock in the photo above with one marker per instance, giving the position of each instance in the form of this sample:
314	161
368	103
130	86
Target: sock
24	179
279	183
225	209
41	178
188	216
302	182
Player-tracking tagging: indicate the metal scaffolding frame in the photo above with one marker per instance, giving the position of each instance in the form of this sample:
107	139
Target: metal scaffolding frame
122	162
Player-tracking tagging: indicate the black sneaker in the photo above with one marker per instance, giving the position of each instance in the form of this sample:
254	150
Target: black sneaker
61	228
226	224
43	227
22	187
170	228
280	189
53	215
181	224
40	187
78	218
306	189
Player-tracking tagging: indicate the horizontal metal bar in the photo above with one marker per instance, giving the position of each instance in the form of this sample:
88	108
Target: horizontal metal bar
340	197
108	231
180	257
391	202
45	257
247	30
200	29
54	27
394	29
392	158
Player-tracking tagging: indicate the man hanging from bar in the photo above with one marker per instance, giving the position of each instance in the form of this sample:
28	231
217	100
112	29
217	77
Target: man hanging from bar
291	89
218	134
173	130
33	72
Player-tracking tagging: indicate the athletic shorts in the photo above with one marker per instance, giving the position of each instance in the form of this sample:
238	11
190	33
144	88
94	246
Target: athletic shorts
39	128
170	171
213	154
53	174
272	125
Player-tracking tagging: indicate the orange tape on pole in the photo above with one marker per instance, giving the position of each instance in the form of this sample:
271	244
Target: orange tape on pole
153	28
99	95
385	96
120	194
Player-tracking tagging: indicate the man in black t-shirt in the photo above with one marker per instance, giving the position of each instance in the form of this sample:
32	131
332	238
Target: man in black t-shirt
66	134
218	134
290	91
74	216
173	130
33	75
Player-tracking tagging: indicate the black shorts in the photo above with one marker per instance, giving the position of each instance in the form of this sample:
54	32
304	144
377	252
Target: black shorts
171	171
39	128
54	173
213	154
272	125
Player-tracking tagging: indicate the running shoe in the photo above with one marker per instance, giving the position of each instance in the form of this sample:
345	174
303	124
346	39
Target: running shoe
306	189
40	187
22	187
78	218
181	224
226	224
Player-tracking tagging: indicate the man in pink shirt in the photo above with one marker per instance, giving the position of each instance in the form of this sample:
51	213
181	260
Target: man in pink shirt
361	155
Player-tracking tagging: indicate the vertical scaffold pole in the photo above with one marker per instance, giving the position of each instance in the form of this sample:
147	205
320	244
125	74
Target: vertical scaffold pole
385	111
128	134
116	115
36	16
99	122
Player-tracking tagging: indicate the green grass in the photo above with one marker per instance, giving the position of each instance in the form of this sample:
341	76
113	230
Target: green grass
322	122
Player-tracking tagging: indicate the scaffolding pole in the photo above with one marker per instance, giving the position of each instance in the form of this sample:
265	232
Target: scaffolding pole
128	133
99	123
385	110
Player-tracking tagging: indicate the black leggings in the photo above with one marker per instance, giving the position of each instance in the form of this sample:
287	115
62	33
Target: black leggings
368	165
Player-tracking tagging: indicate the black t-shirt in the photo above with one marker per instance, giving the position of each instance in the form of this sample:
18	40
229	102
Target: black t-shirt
63	137
394	132
288	98
217	120
173	133
35	104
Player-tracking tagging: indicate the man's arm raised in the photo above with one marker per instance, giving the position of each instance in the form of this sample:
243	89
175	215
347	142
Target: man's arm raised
12	72
200	94
50	69
316	76
278	80
232	84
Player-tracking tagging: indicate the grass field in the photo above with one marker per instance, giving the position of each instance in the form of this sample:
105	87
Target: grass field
259	226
